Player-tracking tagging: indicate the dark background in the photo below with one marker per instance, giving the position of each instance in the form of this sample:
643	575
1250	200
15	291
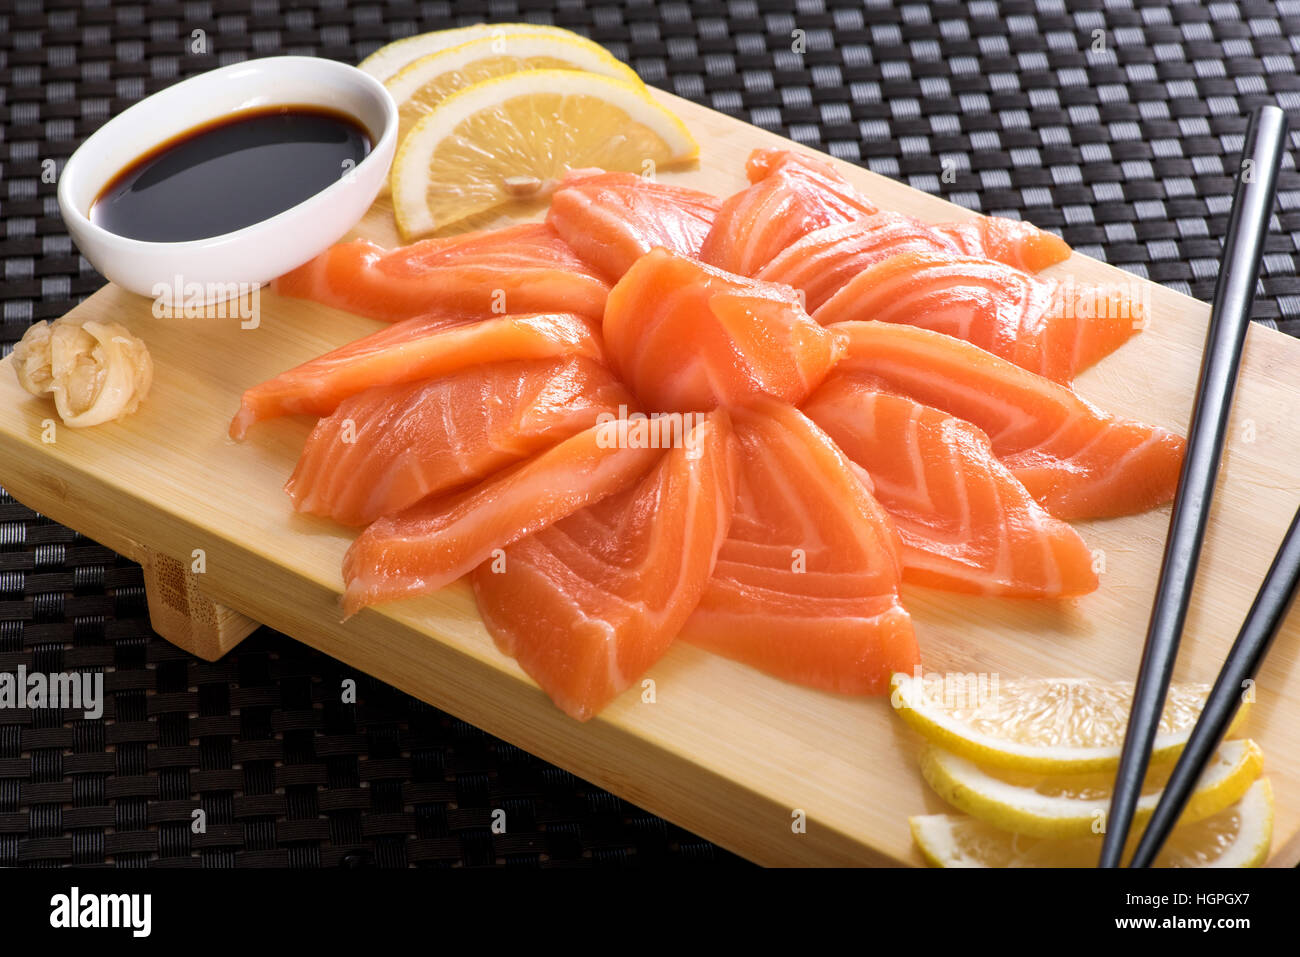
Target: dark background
1127	150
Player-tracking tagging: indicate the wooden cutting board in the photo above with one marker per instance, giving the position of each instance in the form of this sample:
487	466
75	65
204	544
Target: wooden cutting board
722	750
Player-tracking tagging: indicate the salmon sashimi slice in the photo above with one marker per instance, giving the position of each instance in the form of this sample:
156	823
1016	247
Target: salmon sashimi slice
587	605
966	523
688	337
763	162
419	348
1076	460
526	268
806	584
792	194
613	219
388	447
434	542
823	262
1010	241
1025	319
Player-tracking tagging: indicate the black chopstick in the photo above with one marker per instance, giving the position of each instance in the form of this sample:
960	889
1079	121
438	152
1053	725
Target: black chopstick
1261	626
1234	293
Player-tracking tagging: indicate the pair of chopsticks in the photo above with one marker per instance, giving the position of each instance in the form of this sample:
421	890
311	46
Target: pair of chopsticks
1234	293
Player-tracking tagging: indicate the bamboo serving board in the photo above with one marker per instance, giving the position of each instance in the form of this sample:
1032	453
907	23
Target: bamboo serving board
725	751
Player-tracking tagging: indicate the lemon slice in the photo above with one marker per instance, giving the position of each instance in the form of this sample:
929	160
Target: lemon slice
1053	725
1238	836
420	86
513	137
1075	805
390	58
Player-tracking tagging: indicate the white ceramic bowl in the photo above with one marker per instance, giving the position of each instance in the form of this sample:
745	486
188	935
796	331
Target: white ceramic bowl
255	254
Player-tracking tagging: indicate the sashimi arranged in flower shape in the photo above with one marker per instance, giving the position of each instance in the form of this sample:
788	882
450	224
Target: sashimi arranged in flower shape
391	446
436	541
792	195
688	337
613	219
526	268
806	584
588	604
1036	323
824	261
966	523
689	454
409	351
1073	458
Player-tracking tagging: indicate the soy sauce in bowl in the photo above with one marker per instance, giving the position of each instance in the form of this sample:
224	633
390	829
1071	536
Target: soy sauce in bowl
230	173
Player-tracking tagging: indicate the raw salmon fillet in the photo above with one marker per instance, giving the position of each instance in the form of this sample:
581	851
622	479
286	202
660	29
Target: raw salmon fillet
1076	460
1009	241
526	268
1022	318
419	348
436	541
587	605
390	446
823	262
613	219
688	337
806	584
966	523
792	195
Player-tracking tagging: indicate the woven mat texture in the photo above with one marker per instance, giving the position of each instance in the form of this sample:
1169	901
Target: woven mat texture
1114	123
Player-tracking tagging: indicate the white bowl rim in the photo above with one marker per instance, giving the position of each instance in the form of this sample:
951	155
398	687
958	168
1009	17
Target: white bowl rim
126	244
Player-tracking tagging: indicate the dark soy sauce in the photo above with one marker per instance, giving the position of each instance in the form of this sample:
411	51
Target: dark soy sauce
230	173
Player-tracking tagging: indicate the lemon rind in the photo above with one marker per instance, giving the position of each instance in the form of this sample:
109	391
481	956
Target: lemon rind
930	832
422	44
413	217
993	752
578	50
968	788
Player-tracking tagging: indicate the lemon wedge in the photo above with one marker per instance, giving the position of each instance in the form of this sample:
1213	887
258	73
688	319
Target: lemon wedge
420	86
1052	725
385	62
1075	805
513	136
1238	836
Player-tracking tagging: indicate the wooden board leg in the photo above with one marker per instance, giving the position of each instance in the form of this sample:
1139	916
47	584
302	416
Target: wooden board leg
181	613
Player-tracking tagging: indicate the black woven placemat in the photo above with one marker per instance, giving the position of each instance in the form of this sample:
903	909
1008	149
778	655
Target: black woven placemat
1114	123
